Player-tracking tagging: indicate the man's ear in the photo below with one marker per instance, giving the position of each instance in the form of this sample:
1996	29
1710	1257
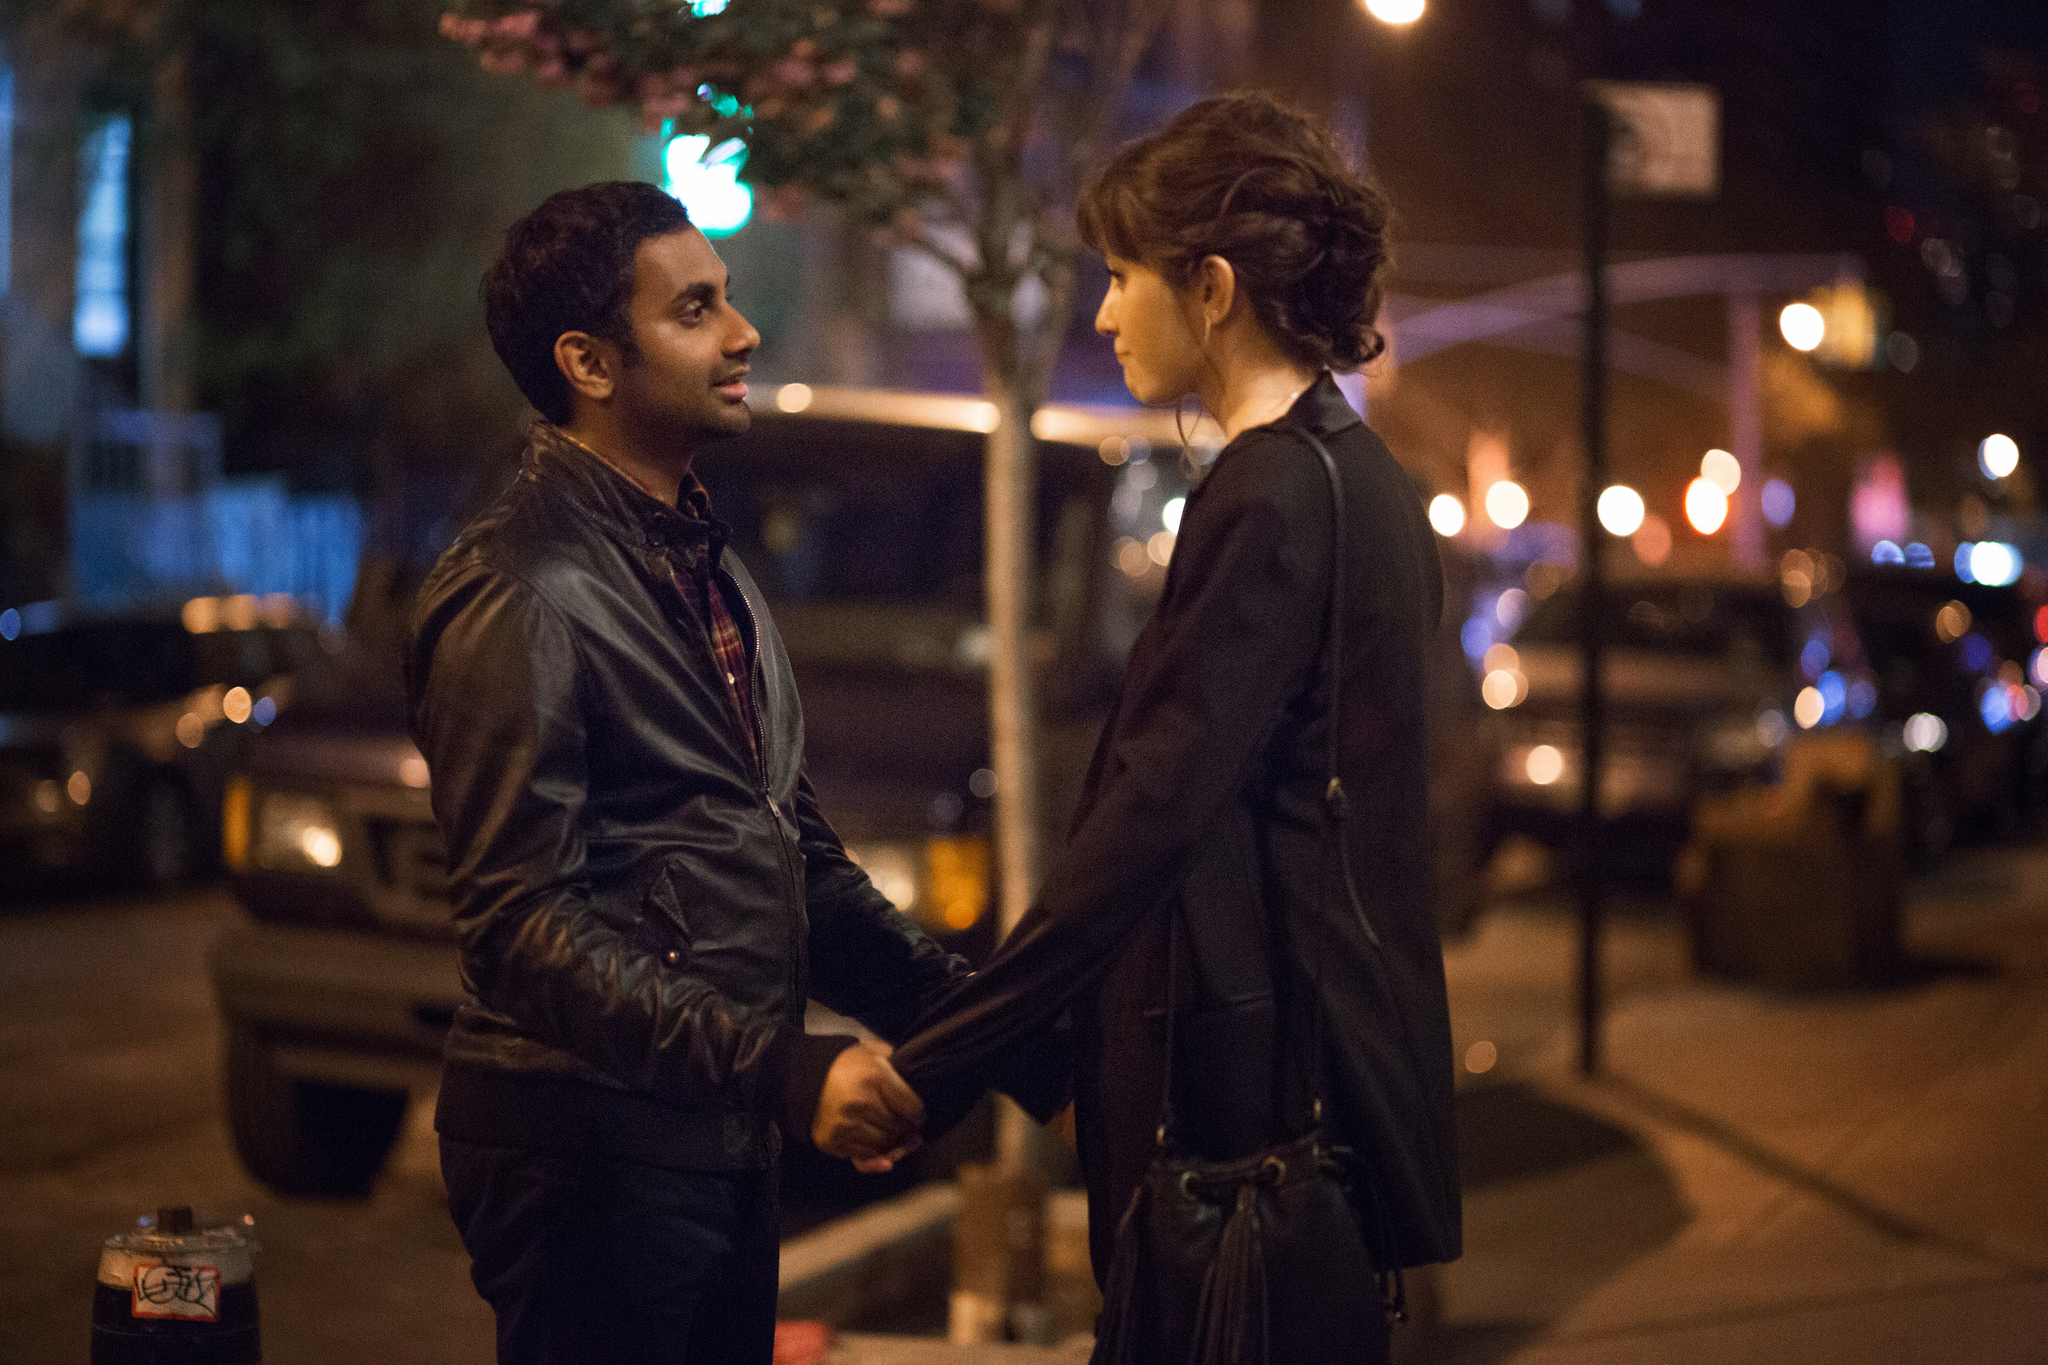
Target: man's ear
1215	288
590	364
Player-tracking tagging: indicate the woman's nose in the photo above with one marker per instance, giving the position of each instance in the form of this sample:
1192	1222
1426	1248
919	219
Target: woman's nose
1104	323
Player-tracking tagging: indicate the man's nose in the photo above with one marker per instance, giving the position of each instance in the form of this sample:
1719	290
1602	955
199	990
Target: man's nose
744	338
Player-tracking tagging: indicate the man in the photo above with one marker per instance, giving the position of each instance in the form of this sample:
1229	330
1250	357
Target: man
646	890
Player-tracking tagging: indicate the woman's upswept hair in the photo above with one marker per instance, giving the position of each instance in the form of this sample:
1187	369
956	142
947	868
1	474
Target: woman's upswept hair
1261	184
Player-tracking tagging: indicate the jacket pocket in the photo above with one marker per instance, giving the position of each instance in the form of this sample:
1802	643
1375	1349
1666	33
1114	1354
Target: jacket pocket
662	921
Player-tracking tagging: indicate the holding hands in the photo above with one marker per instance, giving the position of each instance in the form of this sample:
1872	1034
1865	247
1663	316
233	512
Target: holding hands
866	1113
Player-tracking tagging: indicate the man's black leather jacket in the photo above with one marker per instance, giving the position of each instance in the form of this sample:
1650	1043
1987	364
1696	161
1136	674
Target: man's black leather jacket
644	907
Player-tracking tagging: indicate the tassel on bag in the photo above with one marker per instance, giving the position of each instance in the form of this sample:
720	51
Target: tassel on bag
1121	1326
1230	1324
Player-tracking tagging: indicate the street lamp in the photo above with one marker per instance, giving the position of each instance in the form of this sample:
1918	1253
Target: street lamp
1998	456
1802	326
1394	11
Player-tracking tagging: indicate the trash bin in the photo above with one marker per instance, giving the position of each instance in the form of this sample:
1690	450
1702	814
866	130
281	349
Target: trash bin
170	1291
1797	884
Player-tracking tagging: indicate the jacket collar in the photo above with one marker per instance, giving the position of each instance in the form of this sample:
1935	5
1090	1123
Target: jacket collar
559	463
1322	409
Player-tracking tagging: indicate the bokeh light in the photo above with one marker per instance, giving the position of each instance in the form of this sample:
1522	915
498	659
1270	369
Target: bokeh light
1446	514
1925	732
1998	455
1544	764
1706	506
1722	470
1802	326
1395	11
1996	563
1808	707
1779	501
1652	540
1504	687
1507	504
1620	509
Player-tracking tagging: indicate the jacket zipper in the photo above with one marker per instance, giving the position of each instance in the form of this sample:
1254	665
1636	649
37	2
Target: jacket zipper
790	873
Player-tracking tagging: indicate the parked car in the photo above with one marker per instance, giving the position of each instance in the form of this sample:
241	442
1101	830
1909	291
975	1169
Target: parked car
117	732
1704	682
1959	695
860	516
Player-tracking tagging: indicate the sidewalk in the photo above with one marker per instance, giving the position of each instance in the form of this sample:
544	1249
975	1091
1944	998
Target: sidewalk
1846	1177
1852	1177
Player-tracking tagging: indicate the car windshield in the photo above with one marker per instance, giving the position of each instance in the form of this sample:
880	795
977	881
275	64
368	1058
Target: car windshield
839	512
1693	619
125	663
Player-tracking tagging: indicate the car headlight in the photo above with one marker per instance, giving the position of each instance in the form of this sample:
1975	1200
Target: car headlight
943	882
294	832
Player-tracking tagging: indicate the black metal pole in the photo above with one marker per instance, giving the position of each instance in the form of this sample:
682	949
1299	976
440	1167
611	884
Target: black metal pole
1598	133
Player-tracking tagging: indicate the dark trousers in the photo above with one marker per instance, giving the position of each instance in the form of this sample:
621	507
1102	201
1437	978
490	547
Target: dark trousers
592	1261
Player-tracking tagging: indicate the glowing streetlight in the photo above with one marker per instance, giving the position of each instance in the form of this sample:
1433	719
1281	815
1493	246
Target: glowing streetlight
1706	506
1447	515
1998	456
1507	505
1803	326
1621	510
1722	470
1394	11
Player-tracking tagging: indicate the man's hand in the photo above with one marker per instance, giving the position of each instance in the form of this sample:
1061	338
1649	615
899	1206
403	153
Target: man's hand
865	1112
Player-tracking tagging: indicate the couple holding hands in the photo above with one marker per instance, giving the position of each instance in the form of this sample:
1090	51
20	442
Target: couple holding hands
648	893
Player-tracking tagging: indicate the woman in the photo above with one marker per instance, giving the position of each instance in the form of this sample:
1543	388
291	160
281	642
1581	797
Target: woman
1245	264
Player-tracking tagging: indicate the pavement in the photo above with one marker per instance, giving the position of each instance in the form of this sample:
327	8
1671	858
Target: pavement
1848	1176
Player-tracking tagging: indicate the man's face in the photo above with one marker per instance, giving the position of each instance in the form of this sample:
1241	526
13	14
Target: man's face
688	382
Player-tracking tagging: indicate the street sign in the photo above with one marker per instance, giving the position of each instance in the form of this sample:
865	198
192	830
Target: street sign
1666	140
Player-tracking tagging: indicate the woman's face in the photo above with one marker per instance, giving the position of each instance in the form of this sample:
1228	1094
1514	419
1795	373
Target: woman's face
1148	321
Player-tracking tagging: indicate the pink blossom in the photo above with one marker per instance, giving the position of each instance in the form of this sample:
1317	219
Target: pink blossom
889	9
521	25
839	72
783	203
794	71
910	65
553	72
463	30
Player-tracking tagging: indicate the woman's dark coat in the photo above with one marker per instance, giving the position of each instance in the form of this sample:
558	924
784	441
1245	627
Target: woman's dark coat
1206	798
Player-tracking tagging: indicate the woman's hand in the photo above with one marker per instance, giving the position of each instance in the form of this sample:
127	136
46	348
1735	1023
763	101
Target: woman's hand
866	1113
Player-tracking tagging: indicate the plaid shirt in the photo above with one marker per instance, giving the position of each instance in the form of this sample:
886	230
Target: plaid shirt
732	651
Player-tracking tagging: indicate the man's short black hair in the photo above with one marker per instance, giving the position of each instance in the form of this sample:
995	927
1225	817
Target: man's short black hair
568	267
